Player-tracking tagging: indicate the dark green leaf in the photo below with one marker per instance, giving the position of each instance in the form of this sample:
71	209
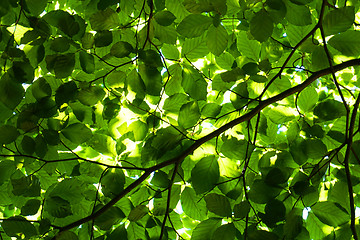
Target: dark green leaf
164	18
329	109
109	218
112	182
138	213
262	234
87	62
31	207
91	95
293	223
261	26
58	207
242	209
205	174
104	20
16	226
121	49
66	92
11	92
103	38
41	88
8	134
218	204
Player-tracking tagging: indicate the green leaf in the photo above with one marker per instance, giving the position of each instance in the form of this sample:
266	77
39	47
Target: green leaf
60	44
218	204
249	48
67	235
307	99
293	223
339	20
194	206
194	84
262	234
174	102
104	20
113	182
31	207
58	207
110	217
217	39
118	233
152	79
319	59
348	43
330	213
63	21
225	232
140	130
66	92
138	213
8	134
91	95
170	51
41	88
11	92
164	18
239	97
236	149
194	25
103	144
329	110
205	229
211	110
261	26
23	71
189	114
280	114
103	38
7	168
160	179
77	133
261	193
314	148
205	174
275	176
274	211
242	209
36	6
16	226
195	48
121	49
298	15
87	62
62	65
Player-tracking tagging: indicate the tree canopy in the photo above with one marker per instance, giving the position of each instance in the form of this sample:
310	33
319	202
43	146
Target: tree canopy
179	119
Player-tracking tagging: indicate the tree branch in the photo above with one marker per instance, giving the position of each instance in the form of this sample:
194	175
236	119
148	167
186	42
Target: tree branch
199	142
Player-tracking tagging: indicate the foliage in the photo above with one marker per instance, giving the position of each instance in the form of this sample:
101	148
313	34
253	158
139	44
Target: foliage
179	119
